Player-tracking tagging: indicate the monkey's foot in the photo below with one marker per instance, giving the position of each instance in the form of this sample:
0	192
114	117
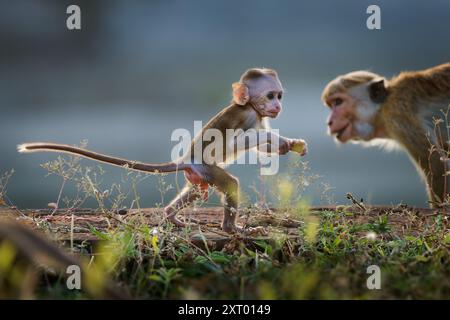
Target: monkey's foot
177	222
257	231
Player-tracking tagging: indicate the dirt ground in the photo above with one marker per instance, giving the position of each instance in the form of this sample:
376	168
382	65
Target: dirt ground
76	225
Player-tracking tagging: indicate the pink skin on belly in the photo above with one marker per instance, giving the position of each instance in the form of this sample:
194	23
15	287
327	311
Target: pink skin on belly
197	180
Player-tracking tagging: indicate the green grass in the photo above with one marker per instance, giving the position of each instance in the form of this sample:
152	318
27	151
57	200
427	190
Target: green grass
325	256
331	263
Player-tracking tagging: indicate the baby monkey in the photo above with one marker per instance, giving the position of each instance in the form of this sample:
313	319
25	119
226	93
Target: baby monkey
256	97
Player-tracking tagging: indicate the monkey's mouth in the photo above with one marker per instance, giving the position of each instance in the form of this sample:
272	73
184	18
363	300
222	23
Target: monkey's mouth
340	133
273	114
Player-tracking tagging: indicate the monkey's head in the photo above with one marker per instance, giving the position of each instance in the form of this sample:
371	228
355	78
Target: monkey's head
262	89
354	100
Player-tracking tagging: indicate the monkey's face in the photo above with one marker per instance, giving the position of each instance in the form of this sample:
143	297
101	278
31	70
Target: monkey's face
352	115
355	107
266	94
340	121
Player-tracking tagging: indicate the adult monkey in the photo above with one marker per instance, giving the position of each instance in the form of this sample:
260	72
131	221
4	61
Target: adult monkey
366	107
256	97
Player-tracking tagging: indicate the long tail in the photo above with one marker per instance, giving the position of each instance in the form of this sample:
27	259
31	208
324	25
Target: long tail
139	166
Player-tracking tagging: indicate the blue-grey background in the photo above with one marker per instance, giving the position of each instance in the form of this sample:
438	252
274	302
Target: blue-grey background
140	69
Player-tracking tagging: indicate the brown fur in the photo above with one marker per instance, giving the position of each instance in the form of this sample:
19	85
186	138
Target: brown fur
406	116
409	94
347	81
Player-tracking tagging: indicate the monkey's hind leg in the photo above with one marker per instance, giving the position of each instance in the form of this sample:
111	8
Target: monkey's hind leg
228	185
186	197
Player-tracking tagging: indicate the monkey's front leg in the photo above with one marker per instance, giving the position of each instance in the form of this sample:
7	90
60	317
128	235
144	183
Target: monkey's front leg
284	145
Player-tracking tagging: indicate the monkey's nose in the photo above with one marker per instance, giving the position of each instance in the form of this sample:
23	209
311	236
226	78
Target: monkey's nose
330	123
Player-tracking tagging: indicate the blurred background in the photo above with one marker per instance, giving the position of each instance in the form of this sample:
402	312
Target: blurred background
140	69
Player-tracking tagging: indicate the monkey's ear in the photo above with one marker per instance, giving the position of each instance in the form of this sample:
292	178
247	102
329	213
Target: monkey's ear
378	91
240	93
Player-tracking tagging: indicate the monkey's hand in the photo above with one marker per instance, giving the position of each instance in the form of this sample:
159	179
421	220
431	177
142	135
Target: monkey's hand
299	146
284	147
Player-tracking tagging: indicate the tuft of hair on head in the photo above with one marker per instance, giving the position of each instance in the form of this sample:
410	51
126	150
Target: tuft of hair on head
347	81
255	73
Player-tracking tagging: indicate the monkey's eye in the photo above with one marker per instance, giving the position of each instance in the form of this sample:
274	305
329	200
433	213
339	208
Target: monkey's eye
338	101
280	95
270	96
